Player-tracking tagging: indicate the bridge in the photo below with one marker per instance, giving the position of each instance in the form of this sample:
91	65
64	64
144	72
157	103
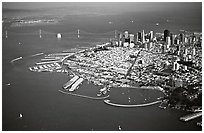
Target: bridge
76	33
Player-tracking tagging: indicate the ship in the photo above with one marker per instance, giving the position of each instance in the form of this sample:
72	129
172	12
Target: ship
69	83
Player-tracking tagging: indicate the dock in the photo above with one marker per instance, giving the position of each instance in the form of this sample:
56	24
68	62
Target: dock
59	54
76	84
70	82
191	116
50	59
48	62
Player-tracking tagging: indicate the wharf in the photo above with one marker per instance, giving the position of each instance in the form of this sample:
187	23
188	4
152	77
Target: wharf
69	83
191	116
76	84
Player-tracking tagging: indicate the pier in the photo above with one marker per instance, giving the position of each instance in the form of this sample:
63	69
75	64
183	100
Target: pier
69	83
48	62
191	116
76	84
37	54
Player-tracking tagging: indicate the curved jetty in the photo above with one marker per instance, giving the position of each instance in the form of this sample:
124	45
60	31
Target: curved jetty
130	106
93	98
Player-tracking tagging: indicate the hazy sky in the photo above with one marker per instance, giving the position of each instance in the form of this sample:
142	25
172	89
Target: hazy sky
109	7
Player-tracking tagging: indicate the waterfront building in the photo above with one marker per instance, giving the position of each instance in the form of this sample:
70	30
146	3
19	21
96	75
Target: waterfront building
166	34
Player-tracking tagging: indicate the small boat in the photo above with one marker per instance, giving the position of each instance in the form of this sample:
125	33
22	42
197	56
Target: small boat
20	115
8	84
157	24
99	94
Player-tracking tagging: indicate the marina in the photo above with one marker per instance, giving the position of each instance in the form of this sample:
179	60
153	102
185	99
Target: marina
46	67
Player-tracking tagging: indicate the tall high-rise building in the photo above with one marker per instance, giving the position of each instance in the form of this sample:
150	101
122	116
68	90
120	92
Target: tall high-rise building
177	41
131	38
173	37
168	40
166	34
143	36
194	52
181	38
136	38
151	35
139	36
126	34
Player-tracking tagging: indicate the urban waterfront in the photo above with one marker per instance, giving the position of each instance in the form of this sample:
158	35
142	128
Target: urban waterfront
37	99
